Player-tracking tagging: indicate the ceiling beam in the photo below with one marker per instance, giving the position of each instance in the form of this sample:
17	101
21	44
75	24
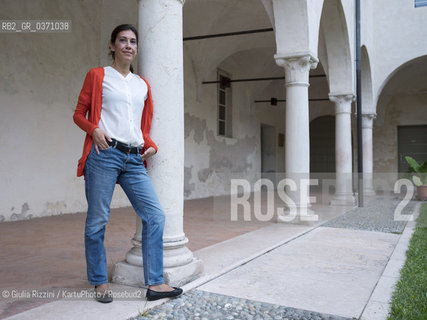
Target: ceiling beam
261	79
227	34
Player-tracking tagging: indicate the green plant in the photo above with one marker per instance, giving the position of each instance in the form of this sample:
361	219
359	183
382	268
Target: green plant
420	178
145	312
409	301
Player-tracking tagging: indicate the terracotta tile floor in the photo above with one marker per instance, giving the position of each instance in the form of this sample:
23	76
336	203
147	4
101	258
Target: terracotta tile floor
48	252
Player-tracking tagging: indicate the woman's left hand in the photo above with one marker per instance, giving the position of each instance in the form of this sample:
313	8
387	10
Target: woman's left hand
148	153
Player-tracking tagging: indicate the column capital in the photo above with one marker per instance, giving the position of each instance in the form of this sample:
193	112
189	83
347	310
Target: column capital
297	67
368	120
342	102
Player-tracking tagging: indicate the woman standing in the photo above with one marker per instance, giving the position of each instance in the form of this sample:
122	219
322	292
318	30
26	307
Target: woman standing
119	110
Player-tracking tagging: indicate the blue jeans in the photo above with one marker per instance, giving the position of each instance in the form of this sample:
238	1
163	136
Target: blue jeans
101	174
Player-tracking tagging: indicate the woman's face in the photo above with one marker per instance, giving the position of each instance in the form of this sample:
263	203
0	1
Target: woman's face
125	47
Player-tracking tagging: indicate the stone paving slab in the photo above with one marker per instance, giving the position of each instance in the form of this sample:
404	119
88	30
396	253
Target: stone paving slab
233	252
378	305
230	252
320	272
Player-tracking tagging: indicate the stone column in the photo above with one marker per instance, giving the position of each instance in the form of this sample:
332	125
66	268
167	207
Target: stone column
367	124
297	139
161	63
343	150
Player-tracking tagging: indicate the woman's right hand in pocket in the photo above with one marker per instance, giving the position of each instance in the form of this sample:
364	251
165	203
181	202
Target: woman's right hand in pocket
100	140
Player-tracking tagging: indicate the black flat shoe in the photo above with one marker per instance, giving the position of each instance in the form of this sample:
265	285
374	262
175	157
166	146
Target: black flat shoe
104	297
156	295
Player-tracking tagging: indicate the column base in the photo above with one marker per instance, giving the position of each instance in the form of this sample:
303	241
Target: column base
128	274
178	276
343	200
369	192
132	275
301	215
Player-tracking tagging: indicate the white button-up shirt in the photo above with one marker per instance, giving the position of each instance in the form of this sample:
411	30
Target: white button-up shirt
123	101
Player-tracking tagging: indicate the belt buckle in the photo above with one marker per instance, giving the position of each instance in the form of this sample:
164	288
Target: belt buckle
129	149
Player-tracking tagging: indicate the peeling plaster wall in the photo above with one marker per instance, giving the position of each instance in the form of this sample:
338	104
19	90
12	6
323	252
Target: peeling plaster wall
273	116
41	76
403	110
211	160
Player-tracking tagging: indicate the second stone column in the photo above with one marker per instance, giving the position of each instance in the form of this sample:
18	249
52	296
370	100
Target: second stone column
343	150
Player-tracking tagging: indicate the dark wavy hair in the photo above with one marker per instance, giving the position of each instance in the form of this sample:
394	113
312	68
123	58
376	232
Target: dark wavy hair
116	31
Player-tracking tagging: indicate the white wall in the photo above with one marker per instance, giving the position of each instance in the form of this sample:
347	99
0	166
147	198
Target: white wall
40	78
398	36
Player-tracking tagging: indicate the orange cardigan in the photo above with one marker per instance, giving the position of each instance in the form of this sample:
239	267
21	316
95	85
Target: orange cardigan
90	102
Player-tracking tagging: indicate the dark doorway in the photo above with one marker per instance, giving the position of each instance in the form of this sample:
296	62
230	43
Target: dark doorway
322	145
412	141
268	149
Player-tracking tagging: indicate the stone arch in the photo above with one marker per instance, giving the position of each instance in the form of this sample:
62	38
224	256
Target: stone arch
401	102
323	54
296	25
333	25
409	79
206	55
268	68
268	6
367	95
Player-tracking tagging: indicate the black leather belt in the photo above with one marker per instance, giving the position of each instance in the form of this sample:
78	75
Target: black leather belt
123	147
